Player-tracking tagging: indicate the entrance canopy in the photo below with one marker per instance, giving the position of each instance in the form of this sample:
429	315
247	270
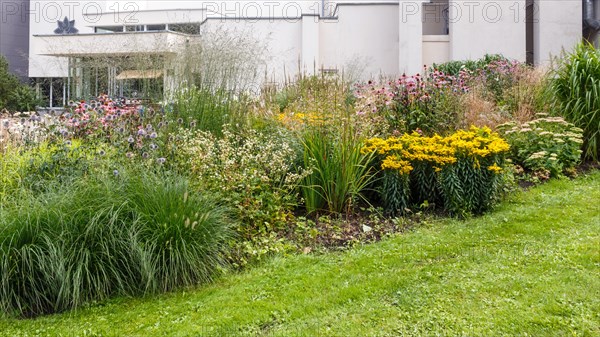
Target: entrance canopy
139	74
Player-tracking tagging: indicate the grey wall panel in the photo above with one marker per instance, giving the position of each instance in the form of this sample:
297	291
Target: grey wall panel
14	35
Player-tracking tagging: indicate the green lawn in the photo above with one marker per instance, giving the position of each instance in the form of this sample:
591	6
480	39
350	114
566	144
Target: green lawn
532	267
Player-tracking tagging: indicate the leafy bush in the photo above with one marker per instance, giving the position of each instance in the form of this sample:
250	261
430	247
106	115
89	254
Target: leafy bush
546	143
115	236
8	83
253	172
13	94
453	68
460	171
24	98
575	93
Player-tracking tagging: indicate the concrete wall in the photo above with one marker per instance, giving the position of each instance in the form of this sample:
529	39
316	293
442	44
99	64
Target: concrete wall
14	33
487	27
557	26
436	49
362	40
278	44
410	39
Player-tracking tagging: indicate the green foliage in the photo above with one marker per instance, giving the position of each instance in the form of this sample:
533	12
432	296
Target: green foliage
467	188
254	172
93	239
24	98
8	83
58	162
549	144
395	192
318	95
424	185
460	173
13	94
12	164
429	103
208	110
339	171
528	268
453	68
575	93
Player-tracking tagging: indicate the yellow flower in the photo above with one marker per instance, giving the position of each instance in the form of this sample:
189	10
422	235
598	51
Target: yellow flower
393	163
495	168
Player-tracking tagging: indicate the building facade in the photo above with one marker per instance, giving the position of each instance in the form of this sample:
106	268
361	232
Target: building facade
78	49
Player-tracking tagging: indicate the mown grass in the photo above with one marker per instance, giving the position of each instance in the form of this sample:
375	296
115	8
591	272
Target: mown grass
532	267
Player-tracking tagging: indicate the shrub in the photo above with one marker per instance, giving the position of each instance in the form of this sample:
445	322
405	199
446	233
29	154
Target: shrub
575	93
8	83
24	98
253	172
93	239
546	143
453	68
460	171
13	94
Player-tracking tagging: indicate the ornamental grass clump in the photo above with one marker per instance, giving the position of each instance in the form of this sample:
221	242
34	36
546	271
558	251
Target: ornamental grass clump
339	171
311	101
458	173
574	91
96	238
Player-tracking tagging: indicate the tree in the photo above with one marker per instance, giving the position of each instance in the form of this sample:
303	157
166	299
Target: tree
8	83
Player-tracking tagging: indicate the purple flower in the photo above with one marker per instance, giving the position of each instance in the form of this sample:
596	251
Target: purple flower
153	135
141	132
116	173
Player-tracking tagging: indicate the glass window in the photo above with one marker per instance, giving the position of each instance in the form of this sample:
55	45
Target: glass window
138	28
111	29
185	28
155	28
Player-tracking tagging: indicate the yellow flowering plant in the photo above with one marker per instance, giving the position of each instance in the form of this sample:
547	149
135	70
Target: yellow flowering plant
458	171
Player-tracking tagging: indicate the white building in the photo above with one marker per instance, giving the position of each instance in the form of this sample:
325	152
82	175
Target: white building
376	37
